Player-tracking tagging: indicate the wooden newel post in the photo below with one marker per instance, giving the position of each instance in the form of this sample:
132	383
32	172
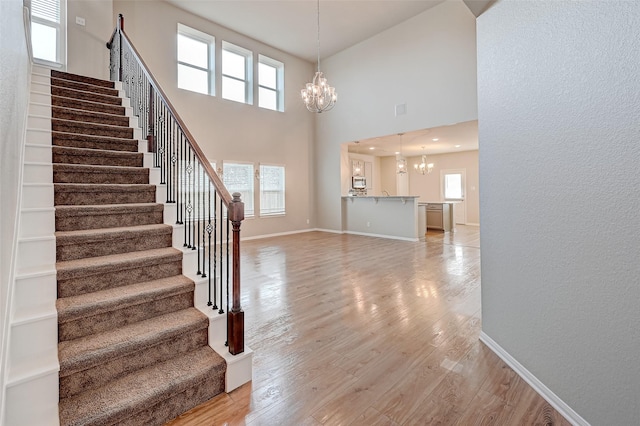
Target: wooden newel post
235	317
120	28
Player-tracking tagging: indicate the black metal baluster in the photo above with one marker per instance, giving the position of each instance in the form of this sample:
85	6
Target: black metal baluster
189	206
215	248
228	273
221	311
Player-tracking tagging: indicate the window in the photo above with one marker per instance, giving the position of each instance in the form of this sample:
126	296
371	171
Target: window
272	186
47	37
236	73
270	83
196	60
453	186
238	177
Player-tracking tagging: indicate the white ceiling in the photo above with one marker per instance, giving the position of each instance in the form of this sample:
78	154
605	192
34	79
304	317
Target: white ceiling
291	25
453	138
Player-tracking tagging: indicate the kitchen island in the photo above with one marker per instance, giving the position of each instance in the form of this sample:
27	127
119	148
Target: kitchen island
394	217
436	215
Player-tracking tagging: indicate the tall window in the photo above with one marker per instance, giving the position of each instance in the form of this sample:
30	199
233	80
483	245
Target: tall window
236	73
272	186
453	186
238	177
47	37
196	60
270	83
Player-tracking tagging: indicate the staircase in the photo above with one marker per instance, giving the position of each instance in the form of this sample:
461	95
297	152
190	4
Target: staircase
132	347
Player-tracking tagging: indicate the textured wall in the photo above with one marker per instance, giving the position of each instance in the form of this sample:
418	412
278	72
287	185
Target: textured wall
14	88
427	62
559	128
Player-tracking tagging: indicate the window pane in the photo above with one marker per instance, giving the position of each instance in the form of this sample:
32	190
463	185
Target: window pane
46	9
267	98
193	79
239	178
233	89
453	186
272	186
44	40
192	51
267	76
233	65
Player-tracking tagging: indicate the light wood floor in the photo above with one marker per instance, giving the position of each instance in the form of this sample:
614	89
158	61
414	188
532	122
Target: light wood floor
353	330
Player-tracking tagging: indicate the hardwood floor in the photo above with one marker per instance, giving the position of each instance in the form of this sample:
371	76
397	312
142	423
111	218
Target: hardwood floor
354	330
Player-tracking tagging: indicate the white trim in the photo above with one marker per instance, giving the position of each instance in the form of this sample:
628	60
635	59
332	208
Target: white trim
554	400
472	224
331	231
389	237
277	234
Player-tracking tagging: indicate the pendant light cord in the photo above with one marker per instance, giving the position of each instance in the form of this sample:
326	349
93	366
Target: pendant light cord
318	40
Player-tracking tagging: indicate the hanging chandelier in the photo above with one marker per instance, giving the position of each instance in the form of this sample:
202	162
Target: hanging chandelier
318	96
401	162
423	167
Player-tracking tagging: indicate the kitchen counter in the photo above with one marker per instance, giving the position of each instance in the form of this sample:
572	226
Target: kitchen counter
393	216
436	215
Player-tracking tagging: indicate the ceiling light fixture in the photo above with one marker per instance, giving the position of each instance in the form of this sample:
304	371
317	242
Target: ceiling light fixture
423	167
401	162
318	96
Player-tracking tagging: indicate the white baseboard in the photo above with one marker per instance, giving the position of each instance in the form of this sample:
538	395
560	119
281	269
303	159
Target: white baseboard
472	224
567	412
390	237
278	234
331	231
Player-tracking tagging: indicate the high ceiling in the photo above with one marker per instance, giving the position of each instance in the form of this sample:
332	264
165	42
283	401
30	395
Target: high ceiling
291	25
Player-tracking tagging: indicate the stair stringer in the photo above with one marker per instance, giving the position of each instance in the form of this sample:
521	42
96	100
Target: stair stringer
239	367
32	365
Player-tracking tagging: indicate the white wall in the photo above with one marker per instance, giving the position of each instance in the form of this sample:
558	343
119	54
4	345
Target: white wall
559	134
15	69
229	130
427	63
87	53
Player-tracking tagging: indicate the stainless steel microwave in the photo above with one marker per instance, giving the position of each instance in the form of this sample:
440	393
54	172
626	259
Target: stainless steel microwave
359	182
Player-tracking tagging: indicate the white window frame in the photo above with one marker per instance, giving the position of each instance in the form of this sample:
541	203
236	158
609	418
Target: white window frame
61	35
202	37
248	71
248	213
259	175
279	89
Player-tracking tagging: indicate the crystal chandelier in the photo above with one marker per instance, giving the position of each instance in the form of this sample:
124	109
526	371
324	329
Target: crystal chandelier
401	162
318	96
423	167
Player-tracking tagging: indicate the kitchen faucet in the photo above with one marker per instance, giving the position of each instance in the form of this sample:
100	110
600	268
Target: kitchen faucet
385	192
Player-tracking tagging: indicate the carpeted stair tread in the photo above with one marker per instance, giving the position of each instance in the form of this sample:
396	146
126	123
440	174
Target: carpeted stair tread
85	243
81	216
89	304
83	95
75	77
96	157
116	262
103	194
83	86
68	113
93	129
84	105
79	354
153	386
75	140
82	173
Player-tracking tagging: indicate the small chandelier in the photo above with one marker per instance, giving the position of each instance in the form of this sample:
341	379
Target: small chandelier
423	167
401	162
318	96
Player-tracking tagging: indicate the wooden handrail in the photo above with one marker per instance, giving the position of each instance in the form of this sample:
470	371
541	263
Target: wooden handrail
227	199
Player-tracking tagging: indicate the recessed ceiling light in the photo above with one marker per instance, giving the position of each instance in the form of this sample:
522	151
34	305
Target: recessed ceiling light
397	152
457	146
372	148
435	139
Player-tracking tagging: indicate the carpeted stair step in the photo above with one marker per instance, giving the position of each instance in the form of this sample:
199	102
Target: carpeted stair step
89	80
96	157
58	101
93	129
73	218
79	173
123	350
71	245
67	113
151	396
74	140
82	276
100	311
83	86
90	194
87	96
